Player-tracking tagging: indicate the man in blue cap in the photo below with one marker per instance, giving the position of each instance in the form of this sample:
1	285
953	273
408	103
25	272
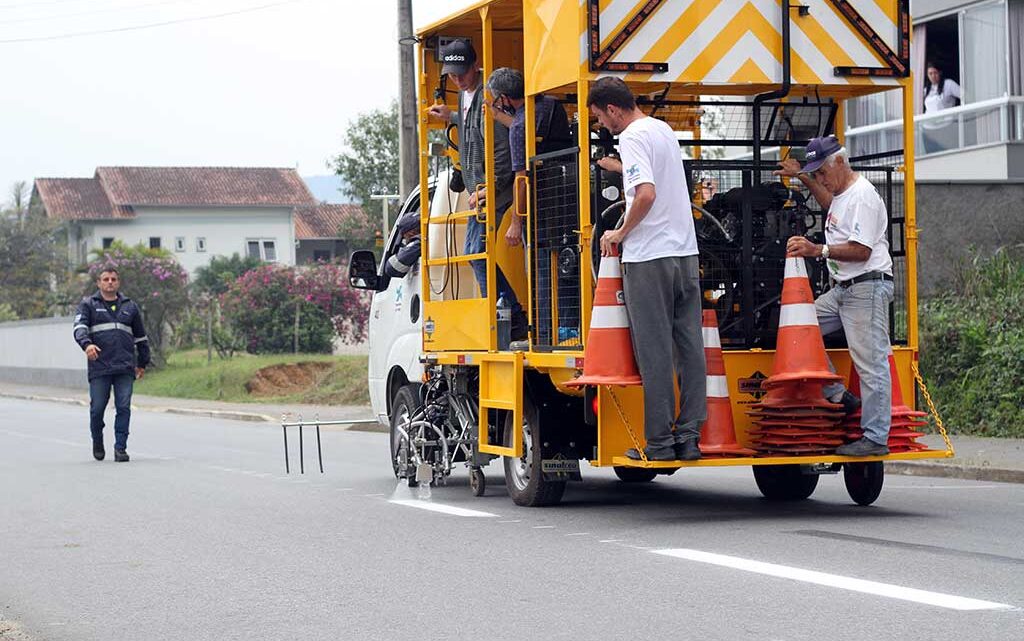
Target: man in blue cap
856	252
399	263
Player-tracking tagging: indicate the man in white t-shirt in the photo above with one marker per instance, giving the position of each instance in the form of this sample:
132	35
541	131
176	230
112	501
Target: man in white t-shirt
660	272
856	252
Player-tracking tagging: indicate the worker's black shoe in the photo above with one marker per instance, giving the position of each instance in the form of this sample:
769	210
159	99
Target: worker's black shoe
863	447
121	456
688	450
98	452
661	455
849	402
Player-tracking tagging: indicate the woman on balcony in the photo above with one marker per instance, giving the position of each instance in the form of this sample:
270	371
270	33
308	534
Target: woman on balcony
940	93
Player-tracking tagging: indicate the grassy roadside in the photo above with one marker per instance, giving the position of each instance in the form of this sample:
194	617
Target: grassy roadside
187	375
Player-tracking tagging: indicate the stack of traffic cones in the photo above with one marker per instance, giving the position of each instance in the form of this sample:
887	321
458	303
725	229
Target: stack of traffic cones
905	421
608	357
718	434
794	418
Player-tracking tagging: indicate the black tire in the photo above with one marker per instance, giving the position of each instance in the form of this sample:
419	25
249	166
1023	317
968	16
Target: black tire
634	474
784	482
864	481
523	477
477	481
405	404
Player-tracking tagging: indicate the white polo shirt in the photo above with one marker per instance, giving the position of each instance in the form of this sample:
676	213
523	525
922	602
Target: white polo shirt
858	214
650	154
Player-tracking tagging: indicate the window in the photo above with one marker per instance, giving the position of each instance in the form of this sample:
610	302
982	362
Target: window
107	242
321	255
154	242
262	248
200	243
179	244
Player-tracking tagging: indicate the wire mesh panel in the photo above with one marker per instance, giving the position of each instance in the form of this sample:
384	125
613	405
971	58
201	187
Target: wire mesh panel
556	251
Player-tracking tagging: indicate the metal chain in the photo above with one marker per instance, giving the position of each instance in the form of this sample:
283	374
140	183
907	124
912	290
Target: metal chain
931	405
625	421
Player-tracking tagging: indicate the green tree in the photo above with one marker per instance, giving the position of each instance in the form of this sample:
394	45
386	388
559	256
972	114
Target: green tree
369	162
215	279
32	255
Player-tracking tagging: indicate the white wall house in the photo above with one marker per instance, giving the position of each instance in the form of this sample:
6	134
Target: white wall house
195	212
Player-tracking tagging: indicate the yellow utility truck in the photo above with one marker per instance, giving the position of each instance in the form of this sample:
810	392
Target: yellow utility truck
743	84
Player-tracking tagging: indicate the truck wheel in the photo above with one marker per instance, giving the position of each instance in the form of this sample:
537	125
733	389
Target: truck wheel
523	477
634	474
864	481
406	403
784	482
477	481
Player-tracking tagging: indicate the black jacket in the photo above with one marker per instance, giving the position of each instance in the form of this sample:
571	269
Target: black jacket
399	264
118	334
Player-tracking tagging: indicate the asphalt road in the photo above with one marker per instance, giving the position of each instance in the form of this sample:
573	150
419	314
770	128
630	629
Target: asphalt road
203	536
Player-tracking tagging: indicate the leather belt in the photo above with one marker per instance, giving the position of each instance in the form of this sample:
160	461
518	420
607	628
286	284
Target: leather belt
863	278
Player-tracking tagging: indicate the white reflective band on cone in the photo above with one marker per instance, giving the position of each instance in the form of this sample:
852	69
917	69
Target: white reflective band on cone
710	337
610	268
609	317
718	387
796	268
798	314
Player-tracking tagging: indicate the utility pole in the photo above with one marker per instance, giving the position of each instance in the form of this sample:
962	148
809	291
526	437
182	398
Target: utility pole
384	200
408	156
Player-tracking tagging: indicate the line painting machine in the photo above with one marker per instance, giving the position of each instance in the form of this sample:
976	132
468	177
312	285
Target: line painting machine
744	84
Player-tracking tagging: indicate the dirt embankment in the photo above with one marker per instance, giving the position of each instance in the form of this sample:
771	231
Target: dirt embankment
286	379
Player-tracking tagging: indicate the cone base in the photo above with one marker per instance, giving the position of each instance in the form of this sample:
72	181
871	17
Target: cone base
726	449
596	379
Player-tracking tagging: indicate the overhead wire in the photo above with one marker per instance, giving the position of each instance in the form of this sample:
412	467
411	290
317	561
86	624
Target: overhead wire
152	25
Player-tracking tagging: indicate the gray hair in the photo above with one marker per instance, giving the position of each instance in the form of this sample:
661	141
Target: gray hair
842	153
506	81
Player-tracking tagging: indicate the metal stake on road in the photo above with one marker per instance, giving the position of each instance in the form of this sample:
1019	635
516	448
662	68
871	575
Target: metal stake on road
285	424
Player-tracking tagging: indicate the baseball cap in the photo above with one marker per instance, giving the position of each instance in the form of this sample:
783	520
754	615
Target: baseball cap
458	56
818	150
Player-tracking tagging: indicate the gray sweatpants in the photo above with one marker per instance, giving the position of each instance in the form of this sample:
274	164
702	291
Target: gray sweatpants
663	301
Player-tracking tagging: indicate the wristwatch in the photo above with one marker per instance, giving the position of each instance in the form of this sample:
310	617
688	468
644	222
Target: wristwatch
824	252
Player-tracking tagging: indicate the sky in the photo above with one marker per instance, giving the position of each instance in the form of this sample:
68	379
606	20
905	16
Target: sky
273	84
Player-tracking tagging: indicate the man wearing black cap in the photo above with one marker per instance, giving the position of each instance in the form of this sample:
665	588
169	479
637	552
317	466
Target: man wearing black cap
459	62
399	264
856	252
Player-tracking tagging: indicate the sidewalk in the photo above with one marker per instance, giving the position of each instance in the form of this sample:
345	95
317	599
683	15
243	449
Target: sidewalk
256	412
980	459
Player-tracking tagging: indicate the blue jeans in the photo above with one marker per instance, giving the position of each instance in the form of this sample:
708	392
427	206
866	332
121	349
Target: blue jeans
476	243
862	312
99	396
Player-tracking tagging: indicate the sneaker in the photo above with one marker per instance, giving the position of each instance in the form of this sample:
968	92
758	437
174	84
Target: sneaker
863	447
632	453
849	402
688	450
121	456
98	452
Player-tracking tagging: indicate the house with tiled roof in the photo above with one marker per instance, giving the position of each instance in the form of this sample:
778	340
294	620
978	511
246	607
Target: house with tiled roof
318	230
195	212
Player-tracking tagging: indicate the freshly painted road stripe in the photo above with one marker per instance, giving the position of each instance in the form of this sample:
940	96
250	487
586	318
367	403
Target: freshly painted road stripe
836	581
543	527
439	507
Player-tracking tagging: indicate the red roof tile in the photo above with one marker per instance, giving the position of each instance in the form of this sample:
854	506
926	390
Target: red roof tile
78	199
204	186
322	221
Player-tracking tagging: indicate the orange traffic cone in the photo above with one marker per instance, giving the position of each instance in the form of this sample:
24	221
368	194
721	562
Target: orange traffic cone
799	348
608	358
718	434
794	417
905	421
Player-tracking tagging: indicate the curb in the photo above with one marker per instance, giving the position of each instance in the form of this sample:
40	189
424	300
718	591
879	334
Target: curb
940	470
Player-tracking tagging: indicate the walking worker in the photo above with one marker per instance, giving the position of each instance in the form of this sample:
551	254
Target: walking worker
460	64
856	252
660	278
108	328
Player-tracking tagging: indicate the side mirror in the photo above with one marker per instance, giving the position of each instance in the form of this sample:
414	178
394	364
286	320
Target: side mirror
362	271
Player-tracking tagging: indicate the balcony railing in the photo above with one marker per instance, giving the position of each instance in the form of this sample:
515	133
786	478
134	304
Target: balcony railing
979	124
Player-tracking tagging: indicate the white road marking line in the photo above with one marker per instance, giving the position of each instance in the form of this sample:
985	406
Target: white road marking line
543	527
942	487
345	489
836	581
578	534
381	494
440	507
609	540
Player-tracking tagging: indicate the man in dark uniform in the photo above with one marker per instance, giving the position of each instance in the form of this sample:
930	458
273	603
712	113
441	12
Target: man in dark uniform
108	328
